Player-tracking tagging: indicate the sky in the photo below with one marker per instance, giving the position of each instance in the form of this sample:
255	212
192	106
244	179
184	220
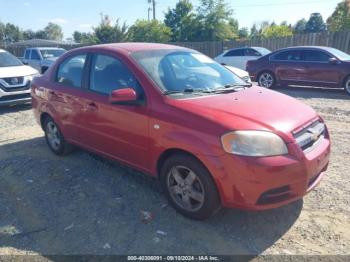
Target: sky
82	15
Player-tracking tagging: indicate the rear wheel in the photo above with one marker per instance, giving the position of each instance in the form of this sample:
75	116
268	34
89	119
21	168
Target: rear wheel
189	187
347	85
267	80
54	138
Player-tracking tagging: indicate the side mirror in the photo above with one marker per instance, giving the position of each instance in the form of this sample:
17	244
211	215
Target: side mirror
333	61
123	96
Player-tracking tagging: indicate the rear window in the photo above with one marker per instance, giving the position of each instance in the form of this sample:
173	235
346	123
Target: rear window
70	72
236	52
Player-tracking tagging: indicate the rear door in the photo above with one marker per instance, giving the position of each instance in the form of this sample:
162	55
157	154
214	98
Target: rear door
66	96
118	130
319	71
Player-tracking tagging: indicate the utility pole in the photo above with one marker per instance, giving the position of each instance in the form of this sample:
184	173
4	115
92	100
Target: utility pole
149	11
153	8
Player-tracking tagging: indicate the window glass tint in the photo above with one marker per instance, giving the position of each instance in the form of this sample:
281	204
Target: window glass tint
108	74
252	52
236	52
315	56
26	55
7	59
35	55
70	72
293	55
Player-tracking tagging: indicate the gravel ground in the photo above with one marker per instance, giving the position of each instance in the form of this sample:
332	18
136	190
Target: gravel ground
83	204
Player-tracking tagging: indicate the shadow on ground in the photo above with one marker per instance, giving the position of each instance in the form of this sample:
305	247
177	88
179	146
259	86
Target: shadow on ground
313	92
83	204
14	108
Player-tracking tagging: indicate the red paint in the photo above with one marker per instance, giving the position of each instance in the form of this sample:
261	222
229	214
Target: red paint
130	133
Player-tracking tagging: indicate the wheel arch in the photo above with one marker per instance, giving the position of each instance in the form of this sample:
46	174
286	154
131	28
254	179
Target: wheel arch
43	117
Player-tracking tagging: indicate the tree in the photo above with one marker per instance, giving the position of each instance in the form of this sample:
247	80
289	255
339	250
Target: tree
107	32
300	26
254	32
274	31
84	38
315	24
29	34
340	19
243	33
10	33
214	17
182	21
53	32
150	31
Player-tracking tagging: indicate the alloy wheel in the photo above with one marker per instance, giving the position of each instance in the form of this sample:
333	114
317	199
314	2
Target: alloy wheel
185	188
347	86
53	135
266	80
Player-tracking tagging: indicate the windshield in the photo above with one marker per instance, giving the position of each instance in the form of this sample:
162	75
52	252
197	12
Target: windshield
262	51
7	59
339	54
177	70
50	53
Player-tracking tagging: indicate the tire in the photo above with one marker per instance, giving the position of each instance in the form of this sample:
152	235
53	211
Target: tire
55	139
189	187
347	85
267	79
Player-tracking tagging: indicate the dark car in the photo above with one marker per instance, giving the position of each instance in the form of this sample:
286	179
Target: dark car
307	66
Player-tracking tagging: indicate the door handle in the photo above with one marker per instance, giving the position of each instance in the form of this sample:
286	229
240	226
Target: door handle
91	106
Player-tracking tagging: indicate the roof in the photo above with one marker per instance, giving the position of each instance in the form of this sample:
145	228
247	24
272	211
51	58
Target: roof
41	42
133	47
308	47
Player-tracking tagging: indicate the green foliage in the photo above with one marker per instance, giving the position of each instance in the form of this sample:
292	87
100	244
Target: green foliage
243	33
315	24
107	32
150	31
84	38
10	33
300	26
53	32
274	31
340	19
182	21
214	17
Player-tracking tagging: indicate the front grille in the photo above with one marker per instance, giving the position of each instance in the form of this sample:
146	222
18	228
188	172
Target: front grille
15	88
308	137
14	97
14	81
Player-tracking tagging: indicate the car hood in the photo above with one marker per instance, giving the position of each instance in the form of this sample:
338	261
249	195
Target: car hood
14	71
255	108
239	72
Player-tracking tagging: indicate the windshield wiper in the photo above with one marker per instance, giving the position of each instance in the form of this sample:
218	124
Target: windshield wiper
230	88
186	90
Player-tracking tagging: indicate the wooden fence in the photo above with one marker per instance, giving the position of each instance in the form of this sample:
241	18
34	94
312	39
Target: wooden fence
339	40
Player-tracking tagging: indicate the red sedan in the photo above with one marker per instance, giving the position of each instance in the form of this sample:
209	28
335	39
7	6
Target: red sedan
175	114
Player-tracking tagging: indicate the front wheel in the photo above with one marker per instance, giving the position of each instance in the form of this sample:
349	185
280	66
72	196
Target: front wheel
347	86
267	80
189	187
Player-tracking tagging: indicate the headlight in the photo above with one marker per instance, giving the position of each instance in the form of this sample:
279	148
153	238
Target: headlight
253	143
30	77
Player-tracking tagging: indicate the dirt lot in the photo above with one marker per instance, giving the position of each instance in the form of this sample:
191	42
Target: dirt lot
83	204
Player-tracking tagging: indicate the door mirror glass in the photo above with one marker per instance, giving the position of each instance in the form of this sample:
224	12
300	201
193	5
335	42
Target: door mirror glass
124	95
333	61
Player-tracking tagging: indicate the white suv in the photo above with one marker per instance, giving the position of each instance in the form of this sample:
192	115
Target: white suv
15	80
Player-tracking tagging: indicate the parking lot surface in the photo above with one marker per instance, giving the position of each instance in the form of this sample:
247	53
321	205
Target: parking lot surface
84	204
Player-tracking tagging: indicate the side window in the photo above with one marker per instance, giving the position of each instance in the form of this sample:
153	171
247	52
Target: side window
293	55
35	55
70	72
26	54
109	73
235	52
251	52
315	56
